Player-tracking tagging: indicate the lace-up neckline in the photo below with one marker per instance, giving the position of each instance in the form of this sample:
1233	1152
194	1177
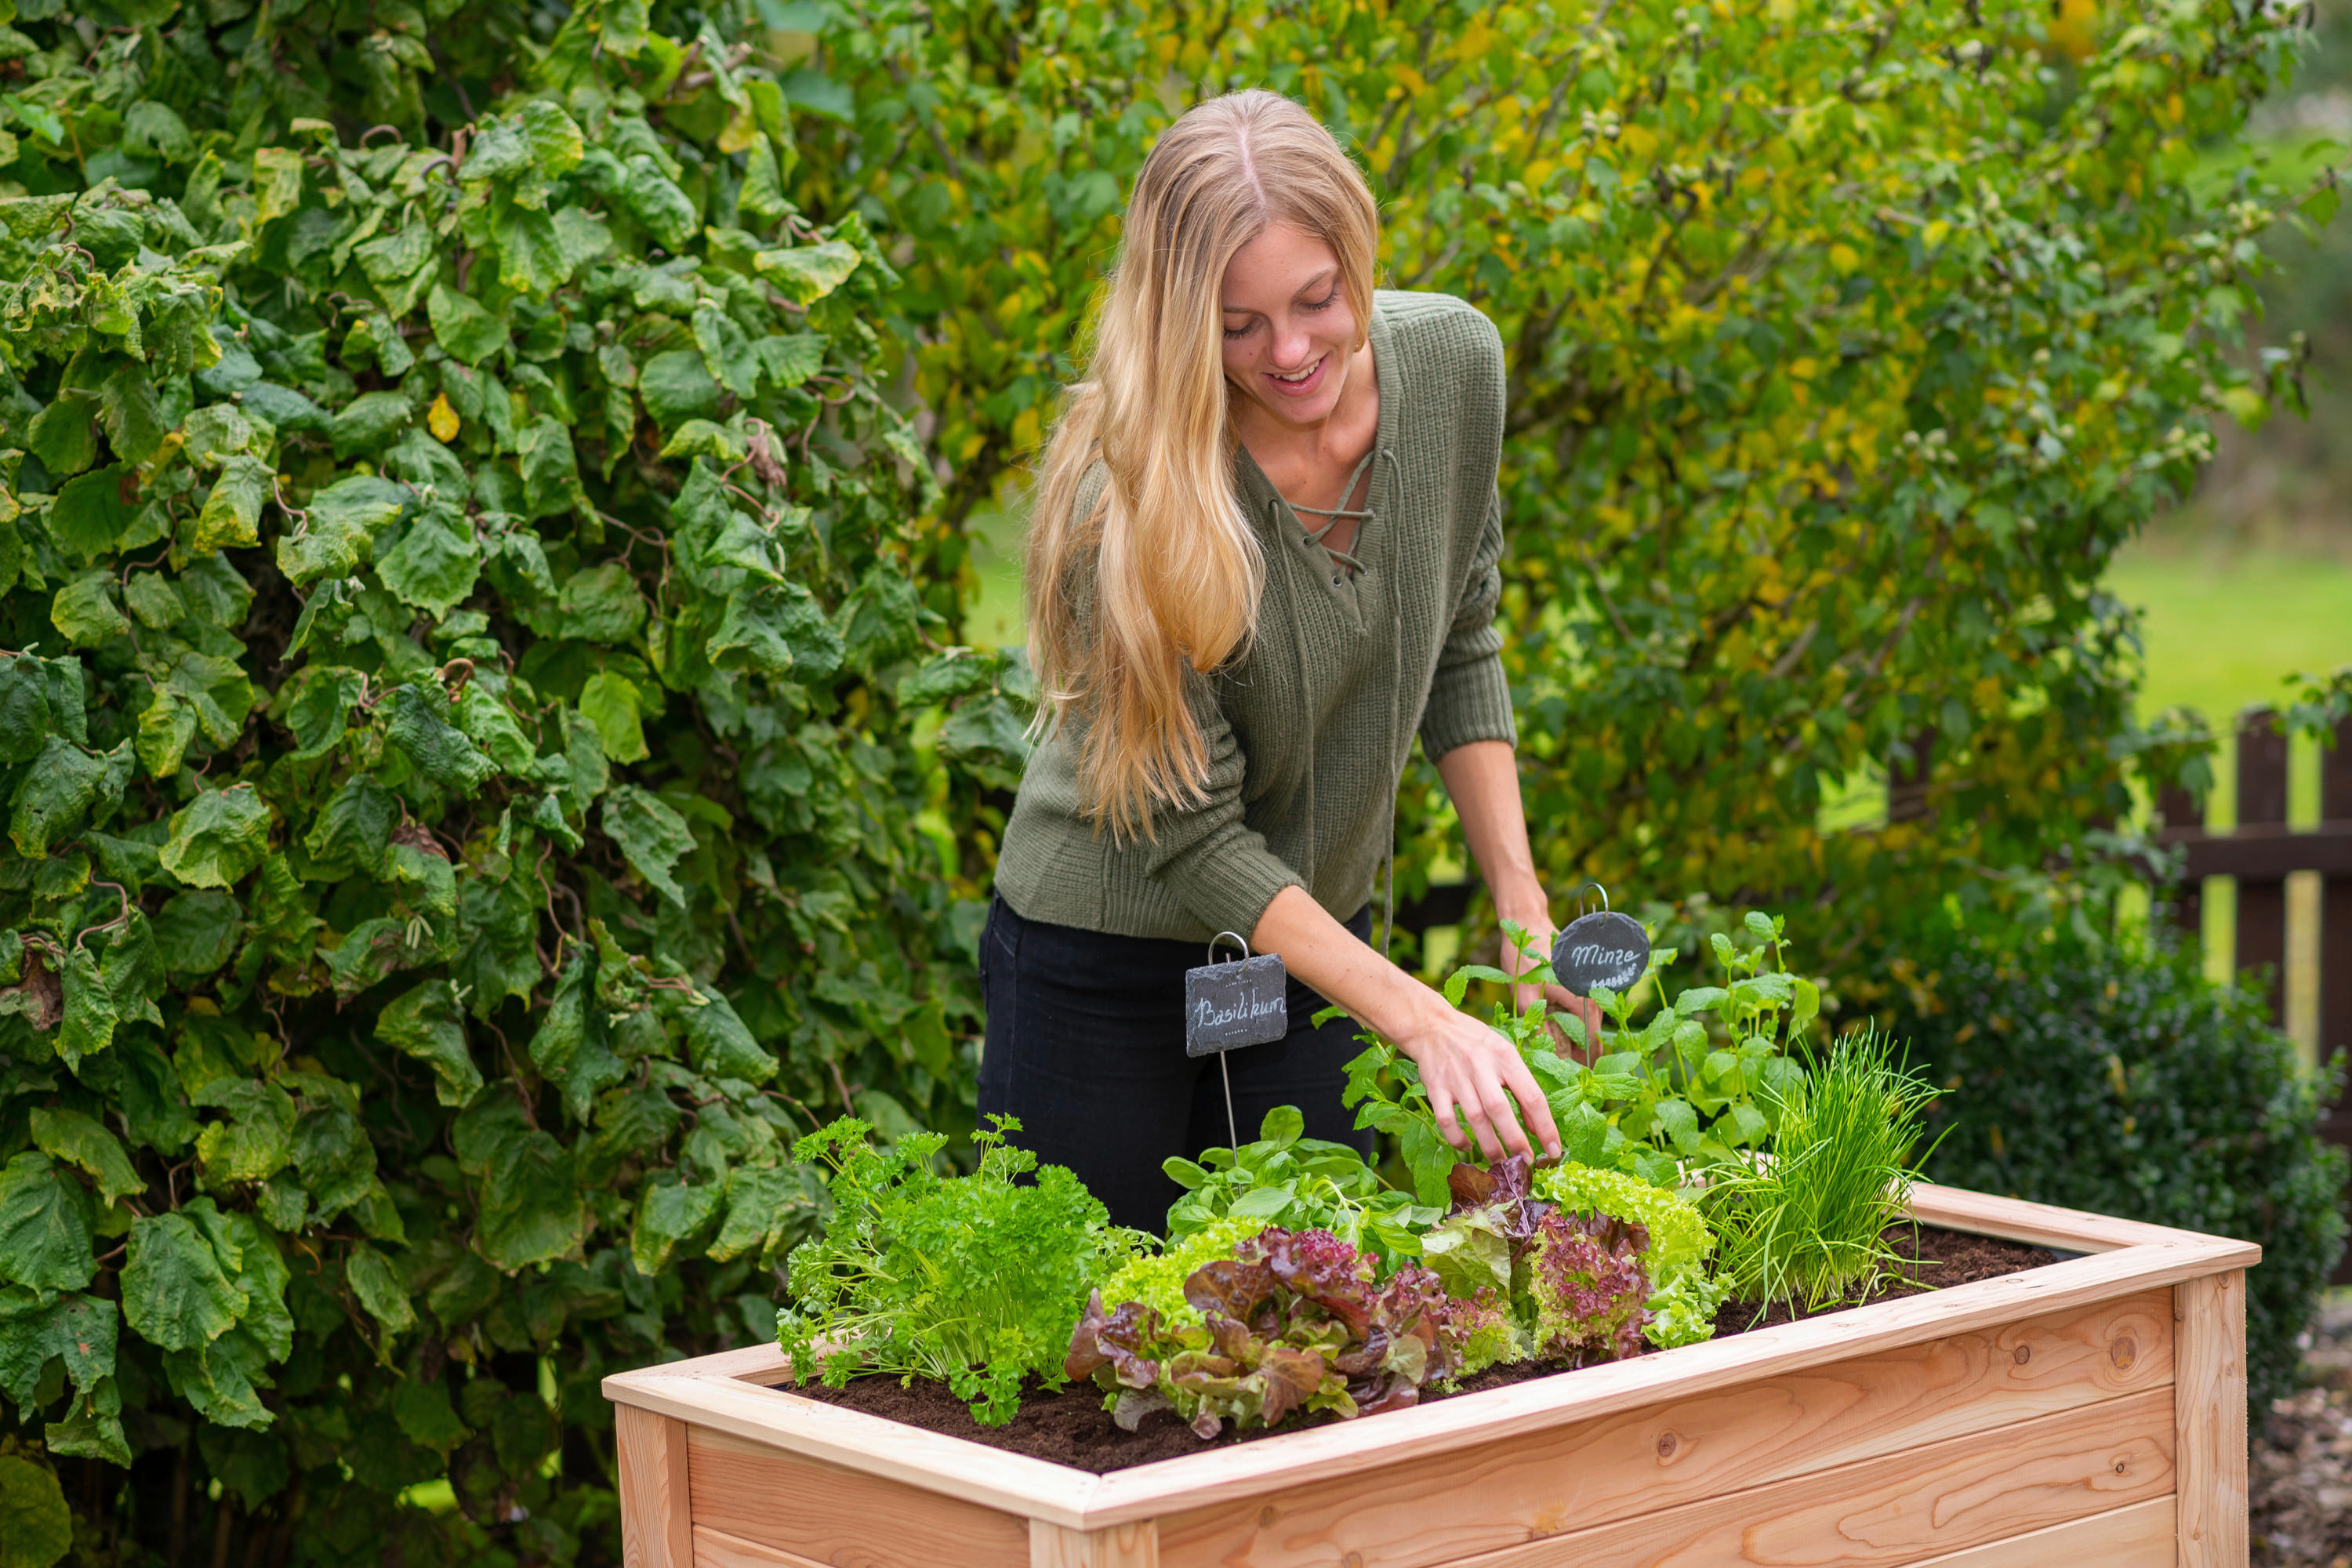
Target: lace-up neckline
1333	516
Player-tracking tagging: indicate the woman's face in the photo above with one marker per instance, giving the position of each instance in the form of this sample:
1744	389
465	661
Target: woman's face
1290	330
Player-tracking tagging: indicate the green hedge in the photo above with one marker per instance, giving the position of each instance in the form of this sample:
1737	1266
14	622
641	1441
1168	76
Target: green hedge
2118	1078
464	636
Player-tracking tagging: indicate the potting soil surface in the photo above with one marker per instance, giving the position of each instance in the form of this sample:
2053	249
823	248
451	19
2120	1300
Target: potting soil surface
1071	1427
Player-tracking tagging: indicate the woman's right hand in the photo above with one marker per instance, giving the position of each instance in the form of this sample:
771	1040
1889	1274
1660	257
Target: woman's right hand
1466	1064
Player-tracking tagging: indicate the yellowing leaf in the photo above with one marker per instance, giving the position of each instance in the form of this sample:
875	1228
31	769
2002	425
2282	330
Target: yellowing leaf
442	419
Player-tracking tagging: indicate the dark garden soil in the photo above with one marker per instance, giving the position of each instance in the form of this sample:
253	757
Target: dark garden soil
1071	1427
2301	1474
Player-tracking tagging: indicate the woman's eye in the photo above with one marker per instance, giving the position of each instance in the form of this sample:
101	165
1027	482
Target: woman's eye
1322	304
1233	333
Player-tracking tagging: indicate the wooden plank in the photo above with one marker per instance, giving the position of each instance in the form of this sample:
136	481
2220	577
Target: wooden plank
655	1488
1701	1446
716	1549
754	1492
1898	1509
2137	1536
2183	819
2262	901
2209	1391
1121	1546
2264	852
932	1461
2044	1225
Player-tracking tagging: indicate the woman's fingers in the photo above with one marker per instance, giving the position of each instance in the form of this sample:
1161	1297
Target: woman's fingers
1532	1104
1441	1103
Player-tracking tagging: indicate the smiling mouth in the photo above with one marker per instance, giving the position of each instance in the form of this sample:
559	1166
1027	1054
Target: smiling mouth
1301	378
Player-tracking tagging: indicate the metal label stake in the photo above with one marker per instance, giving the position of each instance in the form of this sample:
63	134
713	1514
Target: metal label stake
1242	1002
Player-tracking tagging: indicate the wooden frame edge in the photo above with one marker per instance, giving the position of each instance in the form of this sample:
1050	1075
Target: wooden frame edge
727	1390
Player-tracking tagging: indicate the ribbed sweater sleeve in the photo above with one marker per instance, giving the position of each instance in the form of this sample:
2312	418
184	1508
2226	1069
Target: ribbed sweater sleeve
1218	867
1469	698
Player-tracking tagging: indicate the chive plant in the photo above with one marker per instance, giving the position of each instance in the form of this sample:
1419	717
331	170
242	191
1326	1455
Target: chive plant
1806	1223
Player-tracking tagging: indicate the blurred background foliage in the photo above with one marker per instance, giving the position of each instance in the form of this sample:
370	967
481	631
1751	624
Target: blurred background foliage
498	495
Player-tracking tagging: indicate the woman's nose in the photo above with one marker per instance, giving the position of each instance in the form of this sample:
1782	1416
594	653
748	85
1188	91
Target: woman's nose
1293	347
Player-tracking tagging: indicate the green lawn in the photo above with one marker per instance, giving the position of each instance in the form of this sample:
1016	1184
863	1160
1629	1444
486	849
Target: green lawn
2224	629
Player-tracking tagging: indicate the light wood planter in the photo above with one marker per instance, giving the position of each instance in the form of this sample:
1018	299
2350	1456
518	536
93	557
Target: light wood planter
2088	1415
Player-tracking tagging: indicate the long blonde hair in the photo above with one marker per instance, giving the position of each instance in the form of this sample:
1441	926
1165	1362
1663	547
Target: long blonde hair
1176	567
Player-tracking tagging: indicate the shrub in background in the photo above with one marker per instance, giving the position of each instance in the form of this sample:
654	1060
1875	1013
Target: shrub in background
461	640
2114	1076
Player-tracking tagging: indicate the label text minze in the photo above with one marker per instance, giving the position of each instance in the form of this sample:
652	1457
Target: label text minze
1592	952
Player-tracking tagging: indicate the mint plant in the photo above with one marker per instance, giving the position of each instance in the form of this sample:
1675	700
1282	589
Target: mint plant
972	1280
1691	1085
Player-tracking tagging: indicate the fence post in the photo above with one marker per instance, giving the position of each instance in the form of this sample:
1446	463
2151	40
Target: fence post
2181	815
2261	805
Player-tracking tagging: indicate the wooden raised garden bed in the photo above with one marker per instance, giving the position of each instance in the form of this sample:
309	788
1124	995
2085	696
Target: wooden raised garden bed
2088	1413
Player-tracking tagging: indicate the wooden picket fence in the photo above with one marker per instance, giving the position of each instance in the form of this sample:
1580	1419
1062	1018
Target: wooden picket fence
2260	853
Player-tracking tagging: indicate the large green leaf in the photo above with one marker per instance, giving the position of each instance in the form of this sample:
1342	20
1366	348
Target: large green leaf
44	1227
651	836
339	528
380	1288
418	723
78	1331
469	332
434	565
218	837
175	1294
77	1140
722	1047
569	1047
426	1023
36	1526
56	794
231	518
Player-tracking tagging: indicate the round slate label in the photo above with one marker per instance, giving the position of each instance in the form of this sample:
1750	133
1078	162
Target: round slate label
1601	949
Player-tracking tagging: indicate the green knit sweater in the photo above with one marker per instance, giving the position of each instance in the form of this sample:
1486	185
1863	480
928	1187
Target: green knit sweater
1309	732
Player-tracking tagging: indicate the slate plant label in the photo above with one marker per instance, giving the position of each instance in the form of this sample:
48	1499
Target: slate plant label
1241	1002
1603	948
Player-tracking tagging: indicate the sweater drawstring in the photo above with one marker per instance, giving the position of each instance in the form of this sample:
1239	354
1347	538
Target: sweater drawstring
1346	560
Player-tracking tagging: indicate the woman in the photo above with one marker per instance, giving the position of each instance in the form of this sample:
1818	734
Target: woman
1263	558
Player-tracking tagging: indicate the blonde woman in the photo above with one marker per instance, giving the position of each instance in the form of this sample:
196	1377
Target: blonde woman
1262	561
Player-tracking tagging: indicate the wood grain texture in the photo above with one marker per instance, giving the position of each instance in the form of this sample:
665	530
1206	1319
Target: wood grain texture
2044	1225
716	1549
1512	1415
655	1488
930	1461
2137	1536
1897	1510
839	1517
1700	1446
1120	1546
2210	1389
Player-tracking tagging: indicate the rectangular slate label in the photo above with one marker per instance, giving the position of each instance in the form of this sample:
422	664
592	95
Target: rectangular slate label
1232	1004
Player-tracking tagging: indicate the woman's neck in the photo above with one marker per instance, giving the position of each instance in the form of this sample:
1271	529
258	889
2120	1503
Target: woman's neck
1340	437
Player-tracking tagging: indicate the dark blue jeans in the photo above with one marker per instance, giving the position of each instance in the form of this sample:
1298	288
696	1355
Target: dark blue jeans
1086	1046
